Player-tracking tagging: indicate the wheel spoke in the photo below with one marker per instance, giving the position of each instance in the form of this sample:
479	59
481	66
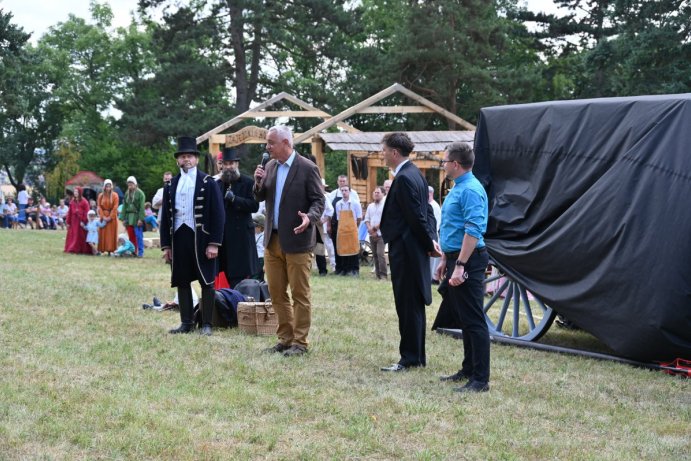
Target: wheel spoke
516	297
496	295
492	278
528	310
542	305
516	310
505	307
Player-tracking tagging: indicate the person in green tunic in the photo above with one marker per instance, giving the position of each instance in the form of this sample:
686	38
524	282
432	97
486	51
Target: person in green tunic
133	215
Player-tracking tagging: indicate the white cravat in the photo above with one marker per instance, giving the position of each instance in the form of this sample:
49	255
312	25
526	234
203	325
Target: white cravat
184	199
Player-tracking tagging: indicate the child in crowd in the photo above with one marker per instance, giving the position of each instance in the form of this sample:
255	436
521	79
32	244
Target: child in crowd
61	214
125	247
45	214
150	217
10	211
54	216
259	222
92	227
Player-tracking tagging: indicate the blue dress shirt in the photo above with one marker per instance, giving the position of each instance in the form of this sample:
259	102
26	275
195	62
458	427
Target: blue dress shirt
281	175
465	211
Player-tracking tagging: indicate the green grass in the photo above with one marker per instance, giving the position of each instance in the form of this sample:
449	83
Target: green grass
87	374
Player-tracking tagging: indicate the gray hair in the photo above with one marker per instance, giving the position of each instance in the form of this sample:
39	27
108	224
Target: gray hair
283	132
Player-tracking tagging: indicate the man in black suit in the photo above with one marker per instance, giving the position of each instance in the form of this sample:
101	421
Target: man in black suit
191	233
409	228
238	256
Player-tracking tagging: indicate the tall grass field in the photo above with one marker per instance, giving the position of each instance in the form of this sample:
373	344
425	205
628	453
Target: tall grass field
87	374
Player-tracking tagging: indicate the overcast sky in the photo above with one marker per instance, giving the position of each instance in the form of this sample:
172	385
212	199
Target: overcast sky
38	15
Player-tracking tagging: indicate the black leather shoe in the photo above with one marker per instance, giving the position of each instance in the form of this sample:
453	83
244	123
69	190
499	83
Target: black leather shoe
456	377
156	302
295	350
396	367
473	386
206	330
181	329
279	347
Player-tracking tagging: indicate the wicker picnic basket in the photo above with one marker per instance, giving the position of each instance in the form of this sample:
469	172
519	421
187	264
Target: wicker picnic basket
257	318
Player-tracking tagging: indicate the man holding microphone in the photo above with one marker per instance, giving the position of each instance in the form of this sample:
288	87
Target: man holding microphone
291	186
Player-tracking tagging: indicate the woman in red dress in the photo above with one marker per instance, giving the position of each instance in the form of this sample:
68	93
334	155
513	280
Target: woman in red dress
77	214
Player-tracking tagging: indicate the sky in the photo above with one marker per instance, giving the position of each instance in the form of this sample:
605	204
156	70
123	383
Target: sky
38	15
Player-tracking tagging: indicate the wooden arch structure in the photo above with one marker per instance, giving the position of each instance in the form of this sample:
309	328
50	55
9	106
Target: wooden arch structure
364	149
257	135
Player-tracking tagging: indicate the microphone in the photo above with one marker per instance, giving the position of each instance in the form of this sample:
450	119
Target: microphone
265	159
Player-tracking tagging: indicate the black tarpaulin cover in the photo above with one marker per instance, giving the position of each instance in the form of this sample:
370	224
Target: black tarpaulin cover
591	211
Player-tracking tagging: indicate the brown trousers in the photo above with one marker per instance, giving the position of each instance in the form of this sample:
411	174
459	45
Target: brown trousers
283	270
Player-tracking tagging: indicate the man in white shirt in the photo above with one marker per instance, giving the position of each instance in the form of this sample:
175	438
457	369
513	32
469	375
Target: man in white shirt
158	196
323	236
372	220
336	193
348	214
434	262
334	197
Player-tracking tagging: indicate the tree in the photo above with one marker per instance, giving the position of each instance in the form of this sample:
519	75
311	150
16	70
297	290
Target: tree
66	166
297	46
88	82
181	88
615	47
461	54
30	116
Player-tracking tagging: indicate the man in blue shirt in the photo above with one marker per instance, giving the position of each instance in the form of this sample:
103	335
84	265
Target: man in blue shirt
463	263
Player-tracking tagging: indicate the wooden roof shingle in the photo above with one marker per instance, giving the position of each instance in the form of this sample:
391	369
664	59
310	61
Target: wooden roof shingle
425	141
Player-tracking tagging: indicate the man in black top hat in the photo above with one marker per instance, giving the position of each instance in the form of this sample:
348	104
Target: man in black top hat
192	218
238	258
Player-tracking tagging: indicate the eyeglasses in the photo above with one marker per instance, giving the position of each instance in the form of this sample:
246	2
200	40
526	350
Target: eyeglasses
442	162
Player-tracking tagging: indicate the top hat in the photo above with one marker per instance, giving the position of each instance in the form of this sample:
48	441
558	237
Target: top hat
230	154
187	145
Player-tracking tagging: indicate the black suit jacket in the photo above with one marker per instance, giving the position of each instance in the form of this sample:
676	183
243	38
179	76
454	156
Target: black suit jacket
238	256
302	191
408	216
209	218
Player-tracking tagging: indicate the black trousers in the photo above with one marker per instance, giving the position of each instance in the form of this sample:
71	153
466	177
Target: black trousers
410	305
466	302
350	263
185	271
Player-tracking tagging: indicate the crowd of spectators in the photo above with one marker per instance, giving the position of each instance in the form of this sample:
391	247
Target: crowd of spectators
23	212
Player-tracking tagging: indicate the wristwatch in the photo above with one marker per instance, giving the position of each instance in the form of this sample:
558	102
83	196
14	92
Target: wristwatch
459	263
